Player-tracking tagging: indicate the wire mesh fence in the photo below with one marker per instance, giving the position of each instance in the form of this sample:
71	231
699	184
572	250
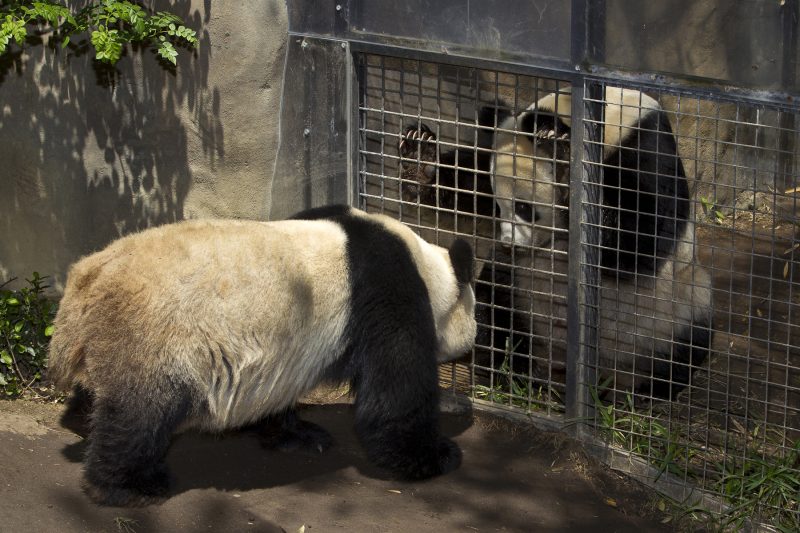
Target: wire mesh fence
692	321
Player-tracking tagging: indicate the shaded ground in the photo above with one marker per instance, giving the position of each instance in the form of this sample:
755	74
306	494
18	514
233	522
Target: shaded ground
514	478
754	371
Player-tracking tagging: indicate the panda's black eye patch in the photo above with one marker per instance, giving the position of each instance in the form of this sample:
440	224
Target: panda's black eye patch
524	210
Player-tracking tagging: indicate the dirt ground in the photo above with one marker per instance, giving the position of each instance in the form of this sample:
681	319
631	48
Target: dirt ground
513	478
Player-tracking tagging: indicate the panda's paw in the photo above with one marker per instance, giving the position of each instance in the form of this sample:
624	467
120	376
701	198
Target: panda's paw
122	496
418	144
442	457
417	148
144	488
449	455
300	436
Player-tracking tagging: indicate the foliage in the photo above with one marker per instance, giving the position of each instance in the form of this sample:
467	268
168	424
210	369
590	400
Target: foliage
711	211
762	487
760	483
111	24
516	390
26	324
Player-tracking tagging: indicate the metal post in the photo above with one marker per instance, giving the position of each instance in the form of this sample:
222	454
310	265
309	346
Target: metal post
585	176
790	12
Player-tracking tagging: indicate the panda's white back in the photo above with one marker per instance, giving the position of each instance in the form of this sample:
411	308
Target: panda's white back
251	313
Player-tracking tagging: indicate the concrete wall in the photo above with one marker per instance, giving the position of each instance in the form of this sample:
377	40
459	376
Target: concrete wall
87	155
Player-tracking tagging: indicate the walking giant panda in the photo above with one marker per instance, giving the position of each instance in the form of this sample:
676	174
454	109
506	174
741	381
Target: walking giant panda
655	301
218	324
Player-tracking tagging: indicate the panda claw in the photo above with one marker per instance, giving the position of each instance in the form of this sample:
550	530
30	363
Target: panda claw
409	140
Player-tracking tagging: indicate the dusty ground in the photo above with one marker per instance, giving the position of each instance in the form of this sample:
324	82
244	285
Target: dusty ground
514	478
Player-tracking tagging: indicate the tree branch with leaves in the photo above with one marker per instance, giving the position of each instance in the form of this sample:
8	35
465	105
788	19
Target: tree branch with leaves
111	25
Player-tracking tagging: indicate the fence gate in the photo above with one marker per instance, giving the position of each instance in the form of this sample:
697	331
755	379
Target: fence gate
631	193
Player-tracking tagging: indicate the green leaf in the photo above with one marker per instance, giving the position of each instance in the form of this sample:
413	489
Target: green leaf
12	301
48	331
168	52
20	32
5	358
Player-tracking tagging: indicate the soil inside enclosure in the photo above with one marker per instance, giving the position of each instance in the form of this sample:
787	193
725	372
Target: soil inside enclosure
513	478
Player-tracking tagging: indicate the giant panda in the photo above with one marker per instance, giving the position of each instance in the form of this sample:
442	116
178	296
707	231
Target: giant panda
217	324
655	301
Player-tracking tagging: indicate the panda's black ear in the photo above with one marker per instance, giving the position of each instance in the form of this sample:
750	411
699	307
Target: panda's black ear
461	257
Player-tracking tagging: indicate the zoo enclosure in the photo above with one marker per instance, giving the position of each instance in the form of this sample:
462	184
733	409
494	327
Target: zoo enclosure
359	74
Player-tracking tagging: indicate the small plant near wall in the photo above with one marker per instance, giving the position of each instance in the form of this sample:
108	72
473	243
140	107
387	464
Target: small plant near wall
515	390
110	24
26	324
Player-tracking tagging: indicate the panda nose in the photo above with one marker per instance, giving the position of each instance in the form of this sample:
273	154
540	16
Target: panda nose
506	235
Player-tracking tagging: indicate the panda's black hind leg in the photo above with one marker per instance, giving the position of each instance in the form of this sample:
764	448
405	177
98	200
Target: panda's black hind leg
131	432
287	432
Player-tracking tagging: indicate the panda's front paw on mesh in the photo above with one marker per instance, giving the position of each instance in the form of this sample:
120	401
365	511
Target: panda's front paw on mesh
417	148
418	144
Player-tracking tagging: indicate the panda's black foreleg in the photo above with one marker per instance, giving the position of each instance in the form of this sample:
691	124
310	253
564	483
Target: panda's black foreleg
407	445
287	432
129	439
397	413
78	411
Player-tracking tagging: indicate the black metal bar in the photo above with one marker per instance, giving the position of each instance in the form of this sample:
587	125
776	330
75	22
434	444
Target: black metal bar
789	13
357	97
588	27
574	400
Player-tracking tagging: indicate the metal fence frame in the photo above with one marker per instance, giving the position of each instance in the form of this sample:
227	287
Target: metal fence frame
332	30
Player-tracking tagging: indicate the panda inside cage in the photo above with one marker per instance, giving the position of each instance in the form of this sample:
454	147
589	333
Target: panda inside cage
697	311
696	306
486	155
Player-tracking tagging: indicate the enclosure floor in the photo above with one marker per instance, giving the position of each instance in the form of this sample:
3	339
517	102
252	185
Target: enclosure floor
513	478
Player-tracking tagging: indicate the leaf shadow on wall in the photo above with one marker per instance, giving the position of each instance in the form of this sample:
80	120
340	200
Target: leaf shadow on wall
91	153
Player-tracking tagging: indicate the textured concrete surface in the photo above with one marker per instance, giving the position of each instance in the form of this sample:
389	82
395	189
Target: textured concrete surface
513	478
88	155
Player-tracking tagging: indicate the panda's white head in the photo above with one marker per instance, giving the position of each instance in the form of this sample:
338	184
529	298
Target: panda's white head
530	167
529	172
456	326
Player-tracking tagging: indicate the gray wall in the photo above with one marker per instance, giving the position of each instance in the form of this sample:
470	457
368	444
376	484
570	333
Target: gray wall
87	156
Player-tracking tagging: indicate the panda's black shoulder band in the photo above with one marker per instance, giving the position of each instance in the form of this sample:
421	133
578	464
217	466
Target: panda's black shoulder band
322	213
461	257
